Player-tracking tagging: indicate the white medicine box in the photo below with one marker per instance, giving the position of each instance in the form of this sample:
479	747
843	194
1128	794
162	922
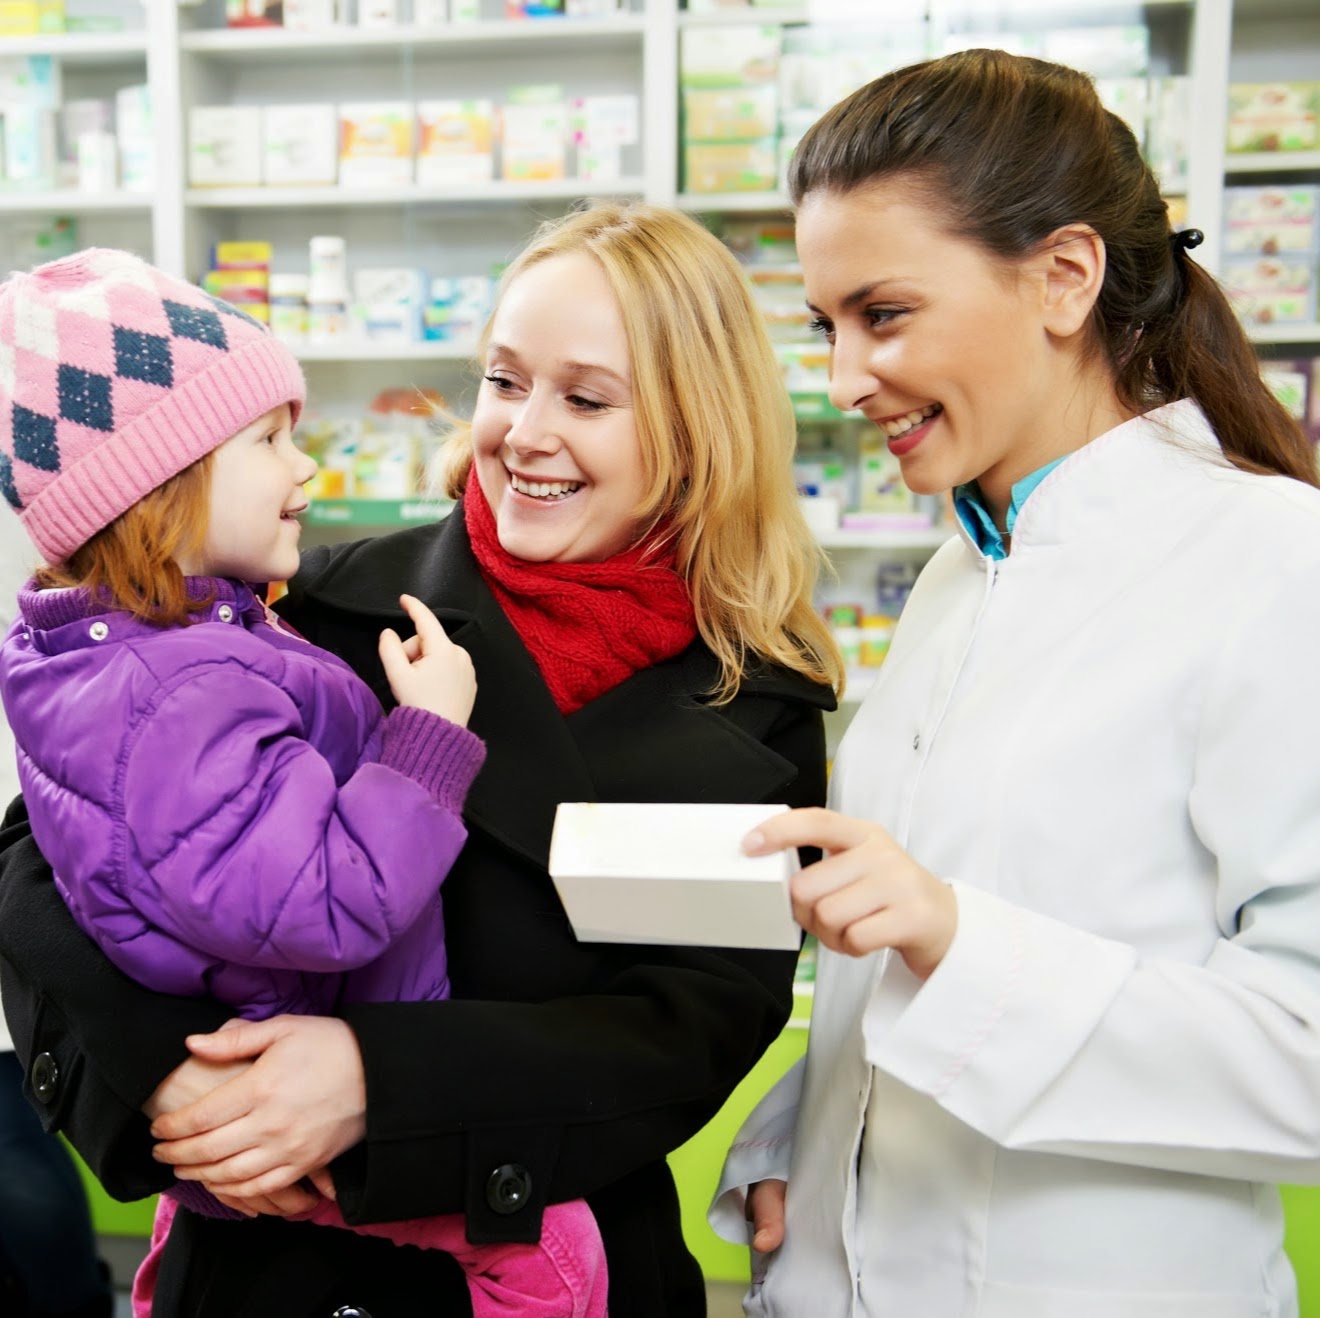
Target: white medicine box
646	873
300	144
224	146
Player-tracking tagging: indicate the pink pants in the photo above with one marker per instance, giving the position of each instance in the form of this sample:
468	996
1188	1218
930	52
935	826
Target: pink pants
562	1277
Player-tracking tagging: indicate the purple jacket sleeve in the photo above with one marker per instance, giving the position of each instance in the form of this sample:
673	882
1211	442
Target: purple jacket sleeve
255	854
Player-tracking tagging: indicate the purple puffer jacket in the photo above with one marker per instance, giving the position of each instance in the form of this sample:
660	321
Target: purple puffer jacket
225	807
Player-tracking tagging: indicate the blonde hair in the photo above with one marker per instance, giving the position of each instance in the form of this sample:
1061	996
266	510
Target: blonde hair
716	432
132	564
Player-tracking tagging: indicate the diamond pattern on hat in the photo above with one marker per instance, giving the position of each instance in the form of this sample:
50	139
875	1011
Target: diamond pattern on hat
7	487
34	439
90	300
85	339
34	329
115	267
229	309
196	323
145	357
85	398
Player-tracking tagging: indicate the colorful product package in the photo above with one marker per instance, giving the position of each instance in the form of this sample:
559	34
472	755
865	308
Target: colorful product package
375	144
1271	220
455	142
1273	116
1272	290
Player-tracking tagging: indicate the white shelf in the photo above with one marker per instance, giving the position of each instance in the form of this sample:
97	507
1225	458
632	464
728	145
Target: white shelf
987	15
1284	333
496	192
81	48
248	44
1272	162
357	351
734	201
918	541
70	201
756	16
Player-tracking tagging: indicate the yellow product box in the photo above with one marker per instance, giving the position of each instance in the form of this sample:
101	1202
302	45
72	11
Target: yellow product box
241	256
730	166
238	285
375	144
27	18
740	114
328	483
455	141
1273	116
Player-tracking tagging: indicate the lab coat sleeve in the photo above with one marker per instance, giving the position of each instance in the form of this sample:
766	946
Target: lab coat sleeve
760	1152
1049	1038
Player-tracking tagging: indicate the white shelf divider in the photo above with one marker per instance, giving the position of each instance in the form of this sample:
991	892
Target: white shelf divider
496	192
355	350
924	540
1272	162
86	48
1305	333
733	201
72	201
277	44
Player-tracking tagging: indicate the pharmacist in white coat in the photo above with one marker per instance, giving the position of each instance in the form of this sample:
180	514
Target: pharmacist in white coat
1066	1030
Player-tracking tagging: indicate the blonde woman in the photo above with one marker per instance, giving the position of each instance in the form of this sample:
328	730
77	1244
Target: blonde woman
628	570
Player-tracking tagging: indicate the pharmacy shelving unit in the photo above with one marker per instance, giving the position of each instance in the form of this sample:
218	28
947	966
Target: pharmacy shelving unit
1277	41
189	58
90	65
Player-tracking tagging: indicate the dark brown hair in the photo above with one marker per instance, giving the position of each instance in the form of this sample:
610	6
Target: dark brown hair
1011	149
132	564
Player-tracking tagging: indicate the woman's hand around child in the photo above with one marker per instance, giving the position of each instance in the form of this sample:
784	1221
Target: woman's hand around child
194	1079
300	1105
428	671
867	894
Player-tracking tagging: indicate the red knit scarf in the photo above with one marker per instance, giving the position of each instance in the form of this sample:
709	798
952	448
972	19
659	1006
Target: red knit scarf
587	625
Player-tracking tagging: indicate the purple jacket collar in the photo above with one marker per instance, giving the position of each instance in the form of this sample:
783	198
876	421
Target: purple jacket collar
46	610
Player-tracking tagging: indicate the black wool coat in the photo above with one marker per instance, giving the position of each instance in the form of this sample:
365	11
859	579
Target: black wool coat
558	1070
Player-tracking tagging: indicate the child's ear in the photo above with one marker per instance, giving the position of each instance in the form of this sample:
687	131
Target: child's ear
1070	266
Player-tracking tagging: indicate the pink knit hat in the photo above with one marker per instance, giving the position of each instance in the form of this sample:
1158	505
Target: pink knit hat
115	377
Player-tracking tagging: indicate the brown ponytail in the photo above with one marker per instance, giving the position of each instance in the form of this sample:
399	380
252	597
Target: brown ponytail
1012	149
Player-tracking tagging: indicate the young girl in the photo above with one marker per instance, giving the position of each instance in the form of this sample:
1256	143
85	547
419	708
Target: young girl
1064	1031
225	808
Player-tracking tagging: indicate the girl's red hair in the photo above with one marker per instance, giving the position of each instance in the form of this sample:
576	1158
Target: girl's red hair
133	564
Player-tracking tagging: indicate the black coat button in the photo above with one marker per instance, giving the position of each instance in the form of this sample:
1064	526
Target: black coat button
45	1076
508	1189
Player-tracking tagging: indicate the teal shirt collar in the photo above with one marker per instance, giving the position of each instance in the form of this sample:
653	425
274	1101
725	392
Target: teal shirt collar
975	516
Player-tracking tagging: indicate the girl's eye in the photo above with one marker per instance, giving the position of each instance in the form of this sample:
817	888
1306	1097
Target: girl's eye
586	404
819	325
501	382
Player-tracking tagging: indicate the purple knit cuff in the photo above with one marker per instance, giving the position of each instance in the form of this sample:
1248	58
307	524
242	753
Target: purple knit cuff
440	755
196	1198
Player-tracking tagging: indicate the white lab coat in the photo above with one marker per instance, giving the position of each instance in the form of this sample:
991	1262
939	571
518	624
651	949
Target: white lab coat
1109	743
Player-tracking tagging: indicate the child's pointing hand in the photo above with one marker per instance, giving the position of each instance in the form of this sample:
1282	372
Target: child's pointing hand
428	671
